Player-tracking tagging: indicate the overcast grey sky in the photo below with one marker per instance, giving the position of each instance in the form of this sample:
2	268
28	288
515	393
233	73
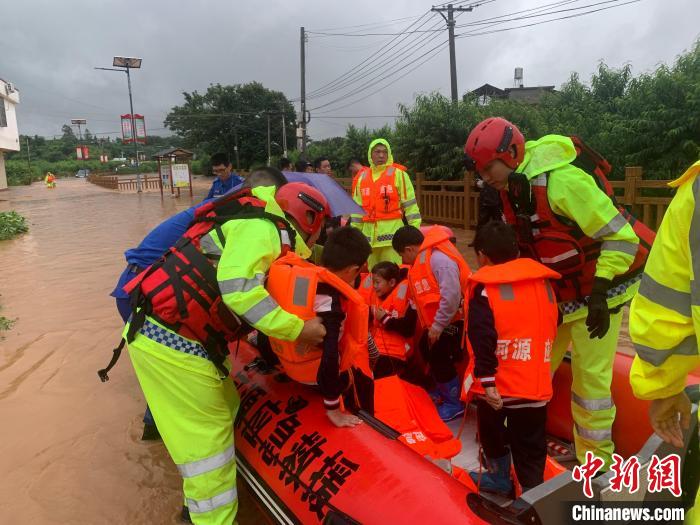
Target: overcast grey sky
49	48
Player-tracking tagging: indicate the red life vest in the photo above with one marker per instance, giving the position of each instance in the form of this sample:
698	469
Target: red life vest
422	282
292	283
181	290
395	304
366	289
559	243
525	312
380	199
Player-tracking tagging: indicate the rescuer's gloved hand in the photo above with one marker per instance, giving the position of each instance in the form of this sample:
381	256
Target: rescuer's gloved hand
598	320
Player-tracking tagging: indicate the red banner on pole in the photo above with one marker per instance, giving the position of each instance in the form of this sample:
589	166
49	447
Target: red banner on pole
128	133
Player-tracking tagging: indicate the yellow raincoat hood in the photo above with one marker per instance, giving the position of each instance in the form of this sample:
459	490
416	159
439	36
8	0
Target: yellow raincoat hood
390	157
546	154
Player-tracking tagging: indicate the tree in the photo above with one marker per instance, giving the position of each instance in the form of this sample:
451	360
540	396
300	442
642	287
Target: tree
226	116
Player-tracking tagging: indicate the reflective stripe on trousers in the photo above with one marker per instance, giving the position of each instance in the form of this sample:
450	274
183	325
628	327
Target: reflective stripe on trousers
592	363
194	412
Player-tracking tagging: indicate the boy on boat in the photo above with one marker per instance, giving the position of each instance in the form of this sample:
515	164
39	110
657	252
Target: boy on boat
437	280
340	365
511	326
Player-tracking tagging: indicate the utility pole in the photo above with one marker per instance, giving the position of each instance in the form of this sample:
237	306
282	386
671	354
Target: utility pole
284	137
449	19
302	42
29	160
235	143
269	156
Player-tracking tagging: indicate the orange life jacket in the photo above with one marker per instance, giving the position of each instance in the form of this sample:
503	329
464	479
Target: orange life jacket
366	289
525	312
408	409
422	282
395	304
380	199
292	283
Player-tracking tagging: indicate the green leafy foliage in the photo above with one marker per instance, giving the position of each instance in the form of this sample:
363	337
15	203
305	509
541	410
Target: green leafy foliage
652	120
228	115
11	225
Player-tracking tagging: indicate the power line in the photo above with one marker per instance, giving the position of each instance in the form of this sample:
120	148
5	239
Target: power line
363	64
353	78
383	23
435	51
360	116
386	72
524	17
400	56
472	34
459	3
376	34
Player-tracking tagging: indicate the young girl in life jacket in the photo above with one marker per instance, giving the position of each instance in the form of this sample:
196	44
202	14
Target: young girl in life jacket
394	318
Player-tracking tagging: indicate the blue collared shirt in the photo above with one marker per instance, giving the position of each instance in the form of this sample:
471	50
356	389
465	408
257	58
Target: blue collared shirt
220	187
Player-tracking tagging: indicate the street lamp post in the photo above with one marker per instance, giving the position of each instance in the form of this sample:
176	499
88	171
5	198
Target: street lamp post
127	63
79	122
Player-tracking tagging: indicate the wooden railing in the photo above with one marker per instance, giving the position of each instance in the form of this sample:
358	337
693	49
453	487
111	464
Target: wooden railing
649	209
114	182
457	202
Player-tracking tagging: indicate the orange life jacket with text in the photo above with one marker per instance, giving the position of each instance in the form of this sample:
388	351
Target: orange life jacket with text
292	283
395	304
422	282
380	198
525	312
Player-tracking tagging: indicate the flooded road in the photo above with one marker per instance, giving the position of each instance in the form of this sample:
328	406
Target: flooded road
71	449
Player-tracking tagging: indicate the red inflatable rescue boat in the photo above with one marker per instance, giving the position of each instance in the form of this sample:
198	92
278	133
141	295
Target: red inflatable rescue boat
305	470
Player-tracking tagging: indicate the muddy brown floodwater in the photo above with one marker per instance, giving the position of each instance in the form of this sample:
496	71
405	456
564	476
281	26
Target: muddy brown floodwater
70	449
70	445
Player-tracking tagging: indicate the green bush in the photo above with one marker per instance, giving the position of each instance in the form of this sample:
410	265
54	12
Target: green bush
18	173
11	225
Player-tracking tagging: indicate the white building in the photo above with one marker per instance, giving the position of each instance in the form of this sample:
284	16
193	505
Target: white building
9	134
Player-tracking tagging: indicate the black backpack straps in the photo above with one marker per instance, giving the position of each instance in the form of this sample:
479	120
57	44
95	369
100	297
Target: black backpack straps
216	346
115	357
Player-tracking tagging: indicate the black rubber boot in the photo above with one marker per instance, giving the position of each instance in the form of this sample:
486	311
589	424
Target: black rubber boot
150	433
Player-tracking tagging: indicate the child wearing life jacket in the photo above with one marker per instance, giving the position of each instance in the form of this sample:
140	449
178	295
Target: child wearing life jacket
511	325
340	365
394	317
437	280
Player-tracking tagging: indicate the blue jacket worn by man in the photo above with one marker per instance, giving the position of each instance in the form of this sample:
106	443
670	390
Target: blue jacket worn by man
158	240
219	187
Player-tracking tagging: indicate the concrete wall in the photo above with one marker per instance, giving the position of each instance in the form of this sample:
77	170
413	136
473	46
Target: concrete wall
9	135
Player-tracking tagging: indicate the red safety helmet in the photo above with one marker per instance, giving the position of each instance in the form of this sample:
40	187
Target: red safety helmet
494	138
305	204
